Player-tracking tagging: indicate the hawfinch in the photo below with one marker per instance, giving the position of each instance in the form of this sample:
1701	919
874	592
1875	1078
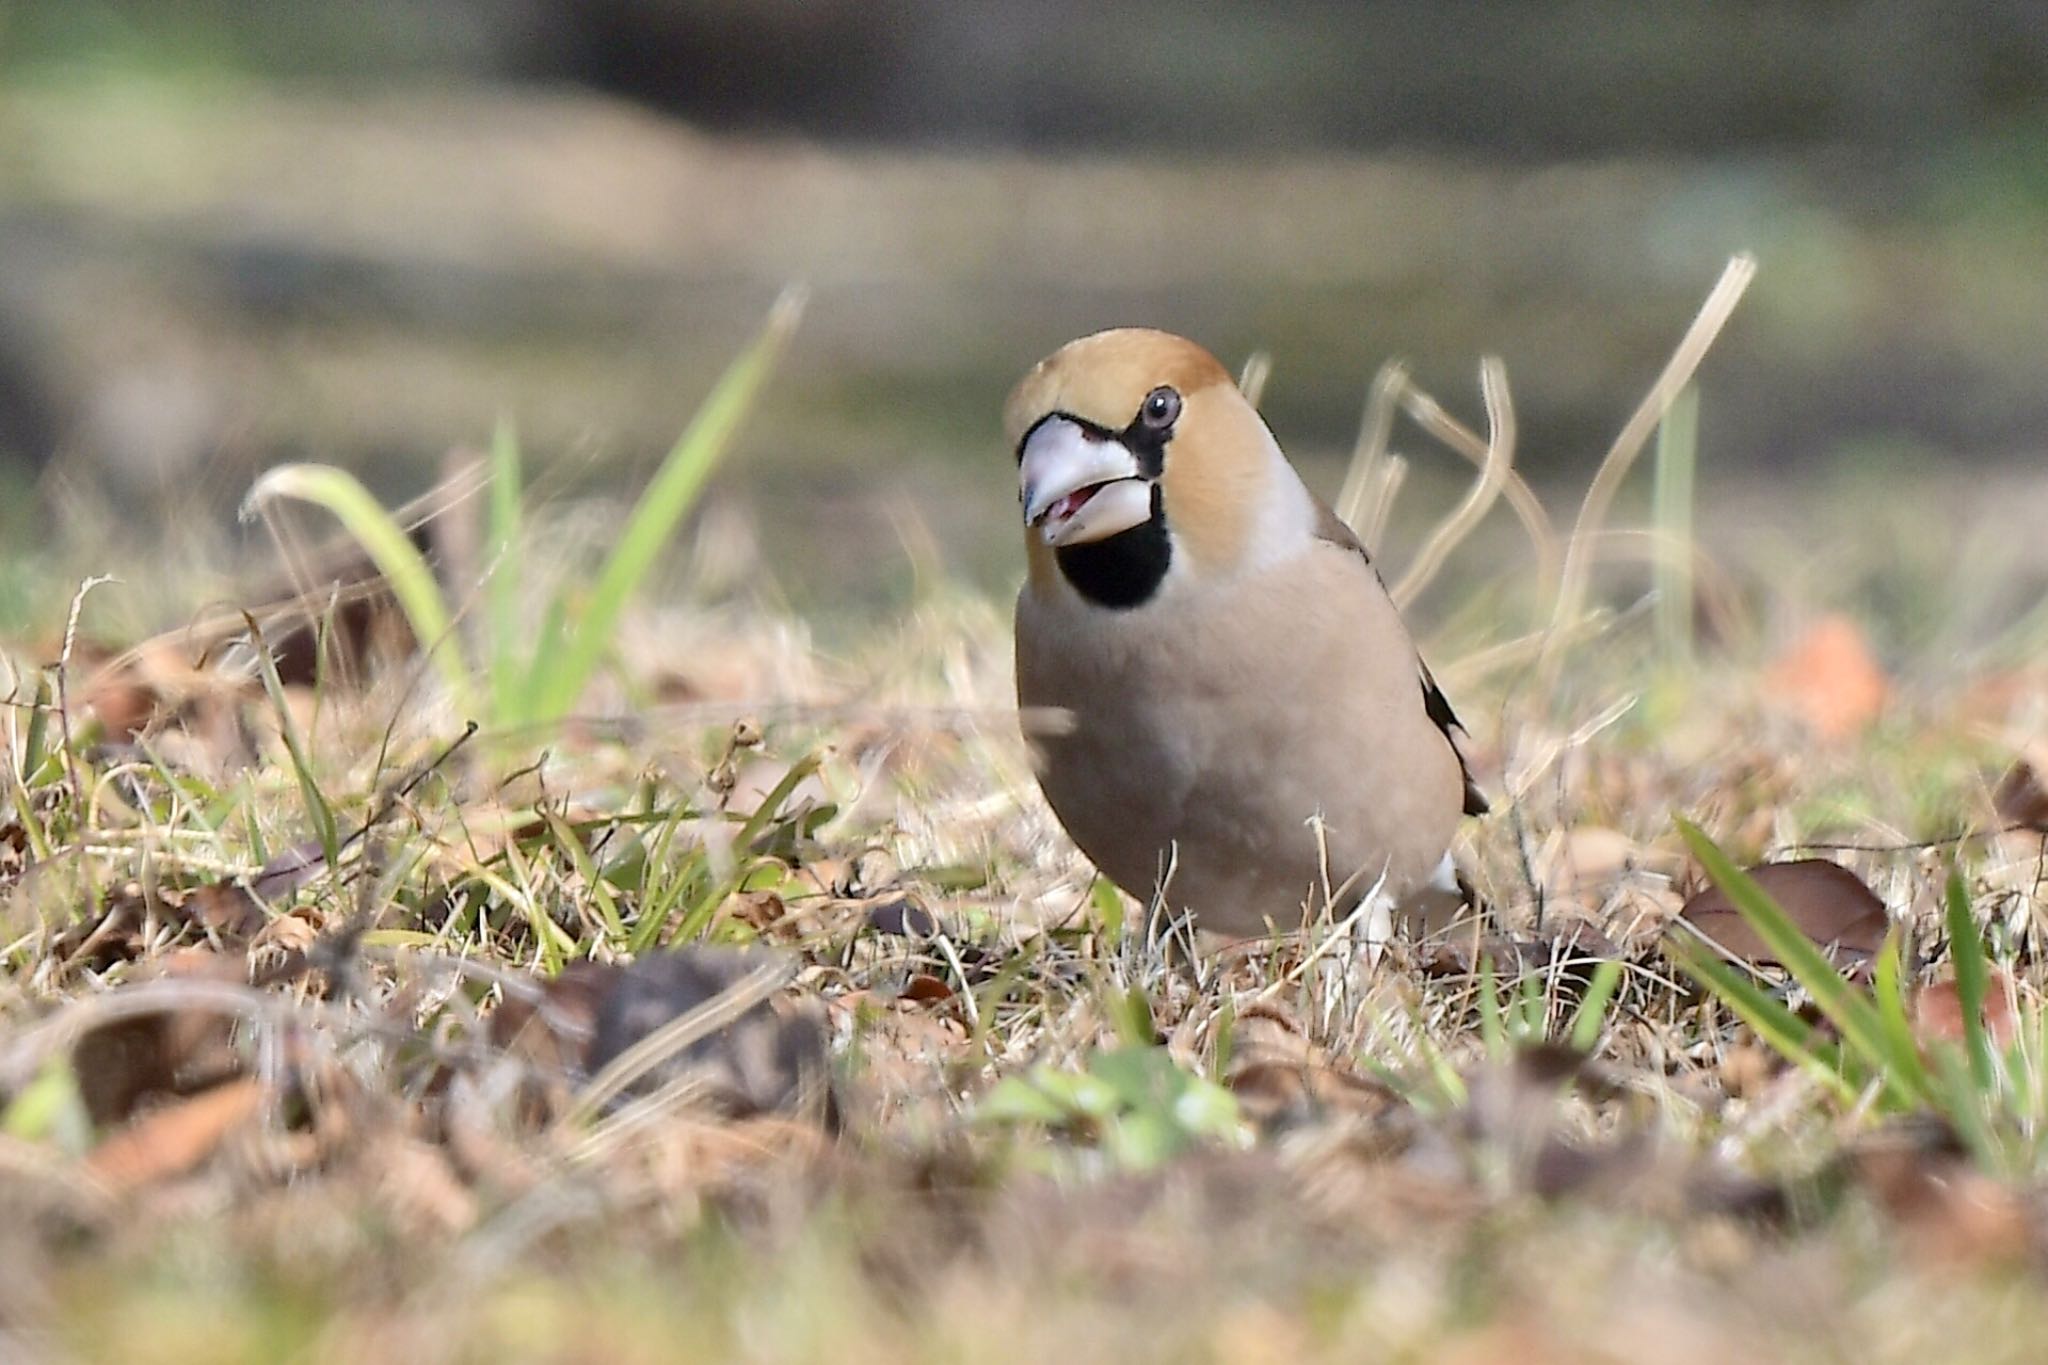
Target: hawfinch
1250	726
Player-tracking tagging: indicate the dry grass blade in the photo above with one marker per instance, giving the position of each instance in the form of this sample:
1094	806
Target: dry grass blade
1479	664
1251	380
1678	372
1720	597
1380	498
322	578
1494	469
80	811
639	1150
1365	473
1430	415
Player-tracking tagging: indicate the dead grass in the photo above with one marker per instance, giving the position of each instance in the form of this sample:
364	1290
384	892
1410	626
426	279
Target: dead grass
263	1100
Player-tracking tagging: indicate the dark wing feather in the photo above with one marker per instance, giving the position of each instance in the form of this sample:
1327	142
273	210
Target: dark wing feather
1331	527
1439	708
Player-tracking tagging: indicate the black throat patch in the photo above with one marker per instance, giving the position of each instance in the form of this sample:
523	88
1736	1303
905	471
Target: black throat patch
1123	570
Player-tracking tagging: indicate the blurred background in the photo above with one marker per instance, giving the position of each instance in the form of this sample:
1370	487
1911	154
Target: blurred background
237	232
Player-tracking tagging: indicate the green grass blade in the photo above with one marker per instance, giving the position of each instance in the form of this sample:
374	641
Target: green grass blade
707	892
317	808
1108	904
502	556
1781	1030
1591	1016
36	751
1224	1034
1846	1006
1890	993
561	673
1973	980
696	921
339	493
1531	1011
572	847
989	997
1963	1102
771	805
553	942
1671	512
662	887
1131	1013
1493	1031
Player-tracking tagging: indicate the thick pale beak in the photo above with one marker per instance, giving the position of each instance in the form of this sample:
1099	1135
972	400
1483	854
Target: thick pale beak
1079	486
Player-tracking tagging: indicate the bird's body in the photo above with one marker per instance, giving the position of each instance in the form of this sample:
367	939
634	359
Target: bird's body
1246	713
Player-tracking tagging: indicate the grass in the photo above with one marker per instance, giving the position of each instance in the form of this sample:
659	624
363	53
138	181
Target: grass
1059	1133
536	685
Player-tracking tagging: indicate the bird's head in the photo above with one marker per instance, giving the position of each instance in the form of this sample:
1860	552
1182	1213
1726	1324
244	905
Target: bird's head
1138	460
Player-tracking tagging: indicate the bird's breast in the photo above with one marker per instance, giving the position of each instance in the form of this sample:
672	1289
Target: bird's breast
1227	726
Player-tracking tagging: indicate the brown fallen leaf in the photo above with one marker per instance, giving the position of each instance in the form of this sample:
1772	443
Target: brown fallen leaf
123	703
226	909
171	1052
175	1138
1828	902
1831	679
1938	1011
758	910
281	946
1581	865
926	989
1951	1213
553	1032
115	935
2021	799
289	869
1747	1067
768	1056
419	1187
1281	1078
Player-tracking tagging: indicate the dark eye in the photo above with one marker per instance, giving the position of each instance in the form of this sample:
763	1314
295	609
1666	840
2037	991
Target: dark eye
1161	409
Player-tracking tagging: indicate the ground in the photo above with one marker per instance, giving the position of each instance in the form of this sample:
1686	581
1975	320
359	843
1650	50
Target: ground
744	1000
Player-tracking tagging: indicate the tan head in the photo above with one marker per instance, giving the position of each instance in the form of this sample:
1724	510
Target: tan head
1138	459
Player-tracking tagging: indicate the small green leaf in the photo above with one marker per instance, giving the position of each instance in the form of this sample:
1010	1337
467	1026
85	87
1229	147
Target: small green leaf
1138	1075
50	1109
1206	1109
1081	1093
1131	1012
1141	1142
1015	1100
1493	1030
1107	905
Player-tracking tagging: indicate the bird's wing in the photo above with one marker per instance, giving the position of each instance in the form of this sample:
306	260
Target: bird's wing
1331	527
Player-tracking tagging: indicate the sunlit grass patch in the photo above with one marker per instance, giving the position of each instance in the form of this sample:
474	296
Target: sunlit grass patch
270	917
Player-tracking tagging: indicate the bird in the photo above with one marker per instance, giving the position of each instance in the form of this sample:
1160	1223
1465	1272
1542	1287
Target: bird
1241	725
